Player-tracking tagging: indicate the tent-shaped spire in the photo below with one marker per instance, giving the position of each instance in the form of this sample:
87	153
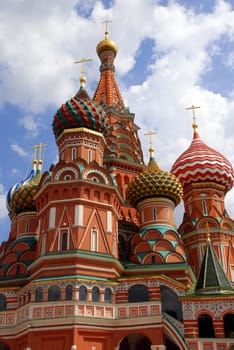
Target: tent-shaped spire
212	278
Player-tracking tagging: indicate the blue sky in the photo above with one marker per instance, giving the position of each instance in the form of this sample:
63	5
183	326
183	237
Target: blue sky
172	54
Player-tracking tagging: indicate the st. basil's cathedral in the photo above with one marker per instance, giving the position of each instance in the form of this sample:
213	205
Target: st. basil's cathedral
94	259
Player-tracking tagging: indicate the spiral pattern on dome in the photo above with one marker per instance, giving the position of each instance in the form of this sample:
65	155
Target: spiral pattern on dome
154	182
22	198
80	112
200	163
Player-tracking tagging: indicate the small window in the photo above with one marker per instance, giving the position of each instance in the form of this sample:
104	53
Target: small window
83	293
204	207
67	177
64	241
90	156
54	293
38	295
95	179
138	293
95	294
69	292
228	321
94	240
107	295
27	226
73	153
205	327
154	214
3	302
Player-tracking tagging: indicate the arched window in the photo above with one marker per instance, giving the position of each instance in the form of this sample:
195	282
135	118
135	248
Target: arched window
95	294
228	323
170	303
54	293
107	295
83	293
205	327
3	302
138	293
69	290
38	295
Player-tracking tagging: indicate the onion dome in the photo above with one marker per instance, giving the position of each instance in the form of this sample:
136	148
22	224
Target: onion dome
20	197
106	45
200	163
80	112
17	186
154	182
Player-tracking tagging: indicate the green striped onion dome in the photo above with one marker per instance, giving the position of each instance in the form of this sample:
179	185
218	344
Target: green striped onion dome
80	112
154	182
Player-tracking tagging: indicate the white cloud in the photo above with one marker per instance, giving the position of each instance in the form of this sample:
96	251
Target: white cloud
3	209
31	124
16	148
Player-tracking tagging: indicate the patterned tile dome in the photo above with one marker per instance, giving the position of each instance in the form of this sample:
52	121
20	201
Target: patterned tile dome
80	112
200	163
154	182
22	199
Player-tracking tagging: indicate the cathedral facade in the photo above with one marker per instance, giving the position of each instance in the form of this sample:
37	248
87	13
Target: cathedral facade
94	260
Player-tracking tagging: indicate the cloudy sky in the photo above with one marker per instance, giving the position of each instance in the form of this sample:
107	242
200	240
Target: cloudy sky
172	54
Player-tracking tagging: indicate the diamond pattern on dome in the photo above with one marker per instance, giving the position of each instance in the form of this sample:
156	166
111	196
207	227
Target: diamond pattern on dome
154	183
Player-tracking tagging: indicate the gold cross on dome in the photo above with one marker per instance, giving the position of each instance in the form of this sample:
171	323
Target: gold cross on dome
150	133
40	147
194	117
83	61
106	22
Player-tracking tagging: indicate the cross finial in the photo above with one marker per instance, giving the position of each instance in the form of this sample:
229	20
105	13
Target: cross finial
194	117
151	149
39	160
106	22
82	78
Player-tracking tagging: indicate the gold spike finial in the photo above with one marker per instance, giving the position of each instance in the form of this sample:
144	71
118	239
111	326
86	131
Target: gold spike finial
151	149
82	78
207	232
195	126
106	22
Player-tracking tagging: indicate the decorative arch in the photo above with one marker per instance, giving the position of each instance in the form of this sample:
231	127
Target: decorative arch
174	258
142	247
65	172
153	259
139	340
152	235
101	177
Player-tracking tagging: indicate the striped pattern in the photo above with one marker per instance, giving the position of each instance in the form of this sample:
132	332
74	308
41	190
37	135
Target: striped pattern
200	163
80	112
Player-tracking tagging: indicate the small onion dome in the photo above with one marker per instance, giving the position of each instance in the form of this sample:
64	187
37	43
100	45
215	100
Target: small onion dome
22	198
154	182
80	111
106	45
200	163
17	186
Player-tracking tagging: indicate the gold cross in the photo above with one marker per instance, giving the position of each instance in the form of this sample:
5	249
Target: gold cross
106	23
83	61
194	117
150	133
40	146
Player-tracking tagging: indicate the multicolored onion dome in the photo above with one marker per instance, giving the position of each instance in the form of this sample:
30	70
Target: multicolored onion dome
80	112
106	45
154	182
200	163
22	198
17	186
